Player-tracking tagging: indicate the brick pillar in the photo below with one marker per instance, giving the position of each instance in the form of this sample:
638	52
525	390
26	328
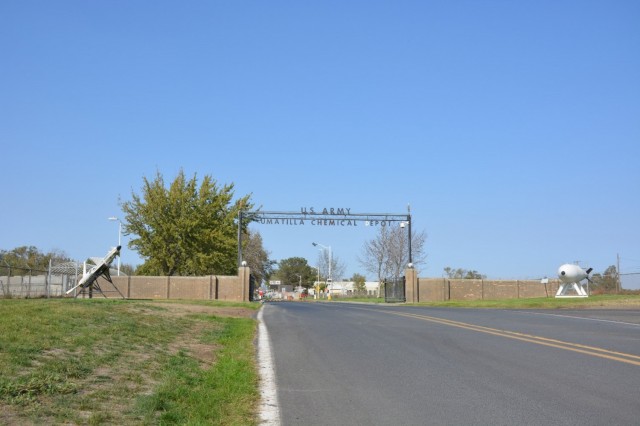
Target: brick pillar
411	285
244	273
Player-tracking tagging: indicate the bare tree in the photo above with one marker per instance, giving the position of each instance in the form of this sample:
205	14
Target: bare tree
337	266
387	255
374	257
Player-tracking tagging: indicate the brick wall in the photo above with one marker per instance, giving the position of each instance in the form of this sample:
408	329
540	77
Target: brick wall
211	287
440	289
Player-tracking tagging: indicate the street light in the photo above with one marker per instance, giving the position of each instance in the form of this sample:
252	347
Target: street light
113	218
403	225
300	283
410	265
330	262
317	289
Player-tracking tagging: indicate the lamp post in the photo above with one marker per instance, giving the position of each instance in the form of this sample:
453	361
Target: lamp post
113	218
410	236
315	295
408	223
299	283
402	225
330	262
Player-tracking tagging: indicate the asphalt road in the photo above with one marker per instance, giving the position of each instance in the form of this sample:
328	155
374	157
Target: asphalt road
350	364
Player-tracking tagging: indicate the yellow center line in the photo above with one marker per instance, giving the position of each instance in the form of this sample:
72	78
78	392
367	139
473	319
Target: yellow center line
588	350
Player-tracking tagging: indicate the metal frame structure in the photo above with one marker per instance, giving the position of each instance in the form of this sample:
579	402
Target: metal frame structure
303	215
89	280
577	287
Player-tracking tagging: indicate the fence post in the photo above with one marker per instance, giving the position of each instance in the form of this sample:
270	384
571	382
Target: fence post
449	289
48	279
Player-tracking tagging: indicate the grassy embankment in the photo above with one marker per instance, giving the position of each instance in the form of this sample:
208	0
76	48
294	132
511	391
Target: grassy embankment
127	362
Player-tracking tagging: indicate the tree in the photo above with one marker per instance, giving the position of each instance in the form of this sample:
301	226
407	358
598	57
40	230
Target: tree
608	281
128	269
359	284
374	257
463	274
387	254
398	256
295	270
256	256
337	266
30	257
184	229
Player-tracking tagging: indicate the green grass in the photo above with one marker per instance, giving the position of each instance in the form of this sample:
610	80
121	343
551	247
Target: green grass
220	395
603	301
127	362
254	306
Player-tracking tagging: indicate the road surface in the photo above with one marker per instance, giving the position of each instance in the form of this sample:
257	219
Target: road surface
356	364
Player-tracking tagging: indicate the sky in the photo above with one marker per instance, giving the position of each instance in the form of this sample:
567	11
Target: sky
511	128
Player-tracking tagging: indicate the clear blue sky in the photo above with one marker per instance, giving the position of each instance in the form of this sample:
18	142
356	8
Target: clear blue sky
512	128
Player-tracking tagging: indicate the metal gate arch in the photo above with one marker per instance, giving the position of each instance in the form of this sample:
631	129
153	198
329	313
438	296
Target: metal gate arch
394	288
304	215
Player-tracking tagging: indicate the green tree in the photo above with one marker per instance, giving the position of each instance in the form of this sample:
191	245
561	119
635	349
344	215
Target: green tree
359	284
30	257
465	274
184	229
128	269
608	281
294	270
256	256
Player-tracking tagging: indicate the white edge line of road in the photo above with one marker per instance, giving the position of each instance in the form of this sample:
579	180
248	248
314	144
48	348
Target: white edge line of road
269	405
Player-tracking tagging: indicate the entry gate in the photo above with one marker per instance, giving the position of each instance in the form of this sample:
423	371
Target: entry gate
252	287
394	290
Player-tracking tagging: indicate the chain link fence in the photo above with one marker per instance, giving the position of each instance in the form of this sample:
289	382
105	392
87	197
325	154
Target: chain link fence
21	282
630	281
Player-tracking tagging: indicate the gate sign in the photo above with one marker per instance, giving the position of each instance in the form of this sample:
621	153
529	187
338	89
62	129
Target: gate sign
327	216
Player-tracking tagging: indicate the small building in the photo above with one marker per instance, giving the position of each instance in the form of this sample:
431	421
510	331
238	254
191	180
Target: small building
347	288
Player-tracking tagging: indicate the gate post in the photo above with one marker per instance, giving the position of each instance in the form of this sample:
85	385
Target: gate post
244	273
411	285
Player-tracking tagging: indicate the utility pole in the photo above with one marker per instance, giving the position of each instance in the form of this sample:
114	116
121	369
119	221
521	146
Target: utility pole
239	238
618	284
409	220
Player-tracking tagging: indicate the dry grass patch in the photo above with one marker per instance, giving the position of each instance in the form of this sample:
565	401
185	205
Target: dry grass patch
92	362
220	311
